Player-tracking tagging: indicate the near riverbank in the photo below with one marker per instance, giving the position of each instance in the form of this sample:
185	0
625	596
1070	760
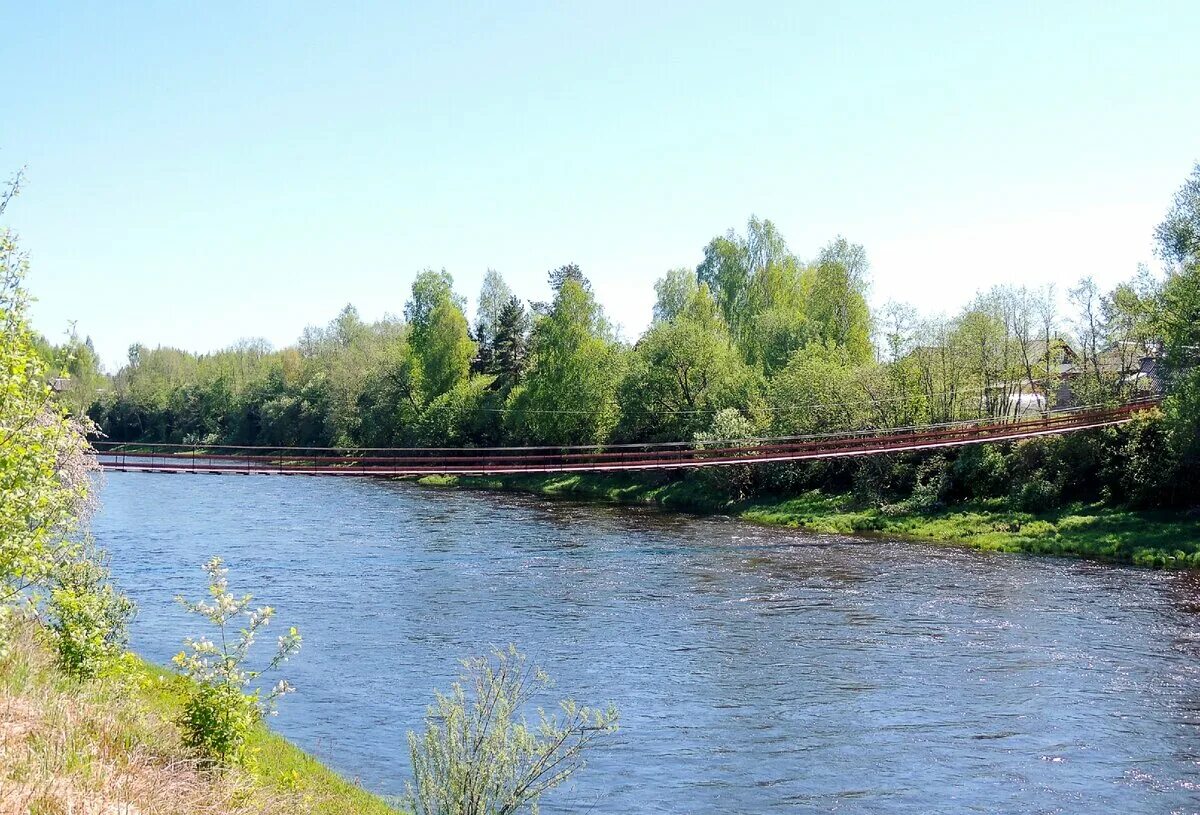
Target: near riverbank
111	746
1142	538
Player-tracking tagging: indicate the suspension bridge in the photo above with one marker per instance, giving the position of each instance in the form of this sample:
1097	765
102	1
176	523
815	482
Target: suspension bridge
415	461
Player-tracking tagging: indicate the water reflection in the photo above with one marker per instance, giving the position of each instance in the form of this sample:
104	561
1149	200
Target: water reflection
756	670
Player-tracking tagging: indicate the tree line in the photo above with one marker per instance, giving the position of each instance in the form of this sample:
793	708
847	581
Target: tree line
754	341
64	632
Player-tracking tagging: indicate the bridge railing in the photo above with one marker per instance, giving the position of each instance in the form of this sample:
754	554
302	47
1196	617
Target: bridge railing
661	455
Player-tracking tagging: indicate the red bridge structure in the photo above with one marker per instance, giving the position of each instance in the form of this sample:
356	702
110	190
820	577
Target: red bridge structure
412	461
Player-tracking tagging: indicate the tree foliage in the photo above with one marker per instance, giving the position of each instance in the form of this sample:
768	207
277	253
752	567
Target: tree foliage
45	461
569	395
684	371
46	470
791	344
479	753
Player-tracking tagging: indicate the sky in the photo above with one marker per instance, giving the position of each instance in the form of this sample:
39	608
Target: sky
199	173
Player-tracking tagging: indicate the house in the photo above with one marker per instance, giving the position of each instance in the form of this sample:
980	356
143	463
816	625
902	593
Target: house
1123	368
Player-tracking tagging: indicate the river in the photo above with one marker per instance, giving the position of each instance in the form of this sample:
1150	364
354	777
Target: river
756	670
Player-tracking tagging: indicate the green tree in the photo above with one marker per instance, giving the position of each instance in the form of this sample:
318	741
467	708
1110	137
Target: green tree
393	396
429	288
511	342
673	291
568	272
837	309
445	349
439	334
493	296
1178	236
1178	319
467	415
818	391
44	458
569	394
731	264
682	372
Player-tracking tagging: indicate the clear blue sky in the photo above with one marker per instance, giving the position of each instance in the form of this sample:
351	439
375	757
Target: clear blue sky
203	172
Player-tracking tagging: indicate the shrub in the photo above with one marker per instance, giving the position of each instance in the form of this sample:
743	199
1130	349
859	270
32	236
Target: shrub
1035	458
1142	467
463	415
478	752
885	479
219	711
931	485
981	471
45	461
735	480
88	617
1038	495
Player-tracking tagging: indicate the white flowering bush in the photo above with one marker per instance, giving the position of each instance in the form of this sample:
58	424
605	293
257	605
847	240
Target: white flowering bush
221	707
479	754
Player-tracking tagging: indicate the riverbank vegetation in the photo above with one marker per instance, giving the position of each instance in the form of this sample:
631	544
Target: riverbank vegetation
86	726
1153	538
753	342
480	754
113	744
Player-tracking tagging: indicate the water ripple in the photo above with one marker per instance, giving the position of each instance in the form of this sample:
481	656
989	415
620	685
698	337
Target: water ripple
756	670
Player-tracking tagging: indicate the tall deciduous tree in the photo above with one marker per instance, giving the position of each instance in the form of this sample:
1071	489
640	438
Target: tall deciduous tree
837	309
673	292
1178	236
428	289
569	395
44	458
682	372
1178	320
439	333
731	264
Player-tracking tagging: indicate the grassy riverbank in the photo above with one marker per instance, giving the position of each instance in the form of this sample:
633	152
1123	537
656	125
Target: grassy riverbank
1154	539
110	746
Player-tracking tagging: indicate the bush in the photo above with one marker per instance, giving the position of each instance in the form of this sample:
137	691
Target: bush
734	480
980	471
1035	458
88	617
885	479
219	712
479	754
216	720
462	416
45	461
1142	467
931	485
1038	495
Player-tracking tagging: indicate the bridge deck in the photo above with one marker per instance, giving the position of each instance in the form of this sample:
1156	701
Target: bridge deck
508	461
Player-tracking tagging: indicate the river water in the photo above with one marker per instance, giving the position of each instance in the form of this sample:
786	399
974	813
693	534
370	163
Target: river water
756	670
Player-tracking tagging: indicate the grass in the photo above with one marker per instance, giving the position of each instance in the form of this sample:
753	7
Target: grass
111	746
1143	538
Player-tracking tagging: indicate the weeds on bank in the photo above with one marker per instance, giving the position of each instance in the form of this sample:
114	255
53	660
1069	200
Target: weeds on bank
68	746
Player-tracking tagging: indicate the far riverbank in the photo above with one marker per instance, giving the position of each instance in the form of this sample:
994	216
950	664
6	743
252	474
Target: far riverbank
1153	539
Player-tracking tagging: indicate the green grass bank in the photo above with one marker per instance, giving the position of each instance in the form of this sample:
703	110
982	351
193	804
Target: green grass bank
1143	538
111	745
